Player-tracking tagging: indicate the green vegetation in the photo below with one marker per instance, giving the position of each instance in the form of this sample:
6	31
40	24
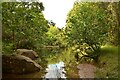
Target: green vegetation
70	62
89	26
108	62
23	25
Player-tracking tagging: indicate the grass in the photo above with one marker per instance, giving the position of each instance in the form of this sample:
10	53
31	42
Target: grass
108	62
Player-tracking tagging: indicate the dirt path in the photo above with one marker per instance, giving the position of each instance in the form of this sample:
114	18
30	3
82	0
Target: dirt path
86	70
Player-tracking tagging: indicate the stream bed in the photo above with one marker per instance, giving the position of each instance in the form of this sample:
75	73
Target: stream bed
54	65
55	70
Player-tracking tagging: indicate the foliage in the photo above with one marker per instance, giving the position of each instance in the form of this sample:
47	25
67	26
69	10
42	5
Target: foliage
52	35
23	24
87	26
112	10
114	14
55	36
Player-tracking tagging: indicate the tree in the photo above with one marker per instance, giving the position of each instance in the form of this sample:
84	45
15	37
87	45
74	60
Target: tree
112	10
23	25
87	27
114	14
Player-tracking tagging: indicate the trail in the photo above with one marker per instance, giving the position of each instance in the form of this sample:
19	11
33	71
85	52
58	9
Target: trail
86	70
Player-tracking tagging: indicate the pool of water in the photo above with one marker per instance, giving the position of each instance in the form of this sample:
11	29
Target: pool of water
55	70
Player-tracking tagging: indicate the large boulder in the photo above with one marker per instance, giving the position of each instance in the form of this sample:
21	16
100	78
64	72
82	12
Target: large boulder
28	53
18	64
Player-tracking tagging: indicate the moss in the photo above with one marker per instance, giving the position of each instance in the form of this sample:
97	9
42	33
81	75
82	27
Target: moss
108	62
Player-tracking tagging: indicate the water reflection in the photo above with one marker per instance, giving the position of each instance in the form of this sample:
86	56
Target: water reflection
55	71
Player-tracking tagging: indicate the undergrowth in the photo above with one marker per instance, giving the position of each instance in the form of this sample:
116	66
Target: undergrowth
108	62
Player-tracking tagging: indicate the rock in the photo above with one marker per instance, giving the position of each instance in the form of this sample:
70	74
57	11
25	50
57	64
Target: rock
18	64
28	53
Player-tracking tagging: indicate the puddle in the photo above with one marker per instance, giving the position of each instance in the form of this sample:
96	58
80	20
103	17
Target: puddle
55	71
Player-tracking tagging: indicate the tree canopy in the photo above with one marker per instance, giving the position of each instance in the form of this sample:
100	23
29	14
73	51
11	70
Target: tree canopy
86	23
23	22
88	26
